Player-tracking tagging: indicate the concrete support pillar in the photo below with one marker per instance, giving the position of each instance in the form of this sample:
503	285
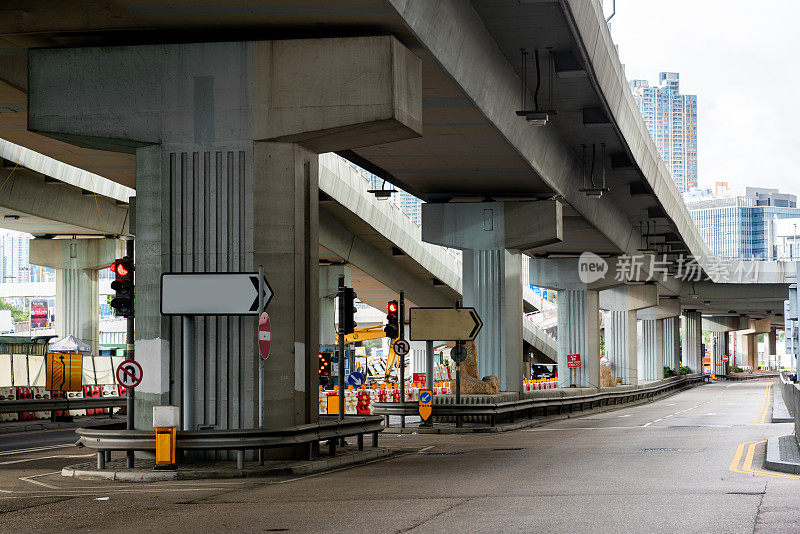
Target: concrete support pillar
77	262
227	137
622	339
672	345
579	333
692	356
492	285
718	349
651	349
770	348
620	344
749	344
328	289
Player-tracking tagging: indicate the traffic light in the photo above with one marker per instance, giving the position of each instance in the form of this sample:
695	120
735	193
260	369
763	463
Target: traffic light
123	287
392	328
347	311
324	368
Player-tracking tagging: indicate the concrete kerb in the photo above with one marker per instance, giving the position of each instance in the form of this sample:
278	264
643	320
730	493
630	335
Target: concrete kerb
780	413
116	471
783	454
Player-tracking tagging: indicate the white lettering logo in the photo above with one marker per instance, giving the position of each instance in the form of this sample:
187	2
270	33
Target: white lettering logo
591	267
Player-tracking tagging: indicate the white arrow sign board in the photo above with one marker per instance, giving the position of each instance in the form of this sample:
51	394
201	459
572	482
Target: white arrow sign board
211	294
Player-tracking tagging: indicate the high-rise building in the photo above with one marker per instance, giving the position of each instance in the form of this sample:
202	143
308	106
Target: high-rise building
671	119
14	248
14	257
742	226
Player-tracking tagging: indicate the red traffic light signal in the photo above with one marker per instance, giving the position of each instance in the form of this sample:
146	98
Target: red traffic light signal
392	306
120	268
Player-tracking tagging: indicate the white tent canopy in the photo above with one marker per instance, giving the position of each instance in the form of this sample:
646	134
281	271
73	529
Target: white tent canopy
69	344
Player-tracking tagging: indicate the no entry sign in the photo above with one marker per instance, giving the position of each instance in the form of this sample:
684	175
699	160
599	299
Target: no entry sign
724	357
264	335
573	360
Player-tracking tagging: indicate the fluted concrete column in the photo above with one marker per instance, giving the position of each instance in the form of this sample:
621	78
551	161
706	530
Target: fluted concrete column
620	344
492	285
692	341
77	262
717	351
672	343
579	333
651	349
770	348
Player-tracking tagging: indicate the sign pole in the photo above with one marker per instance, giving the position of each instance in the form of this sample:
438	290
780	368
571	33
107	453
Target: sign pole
129	355
260	361
341	348
429	373
458	375
188	372
402	359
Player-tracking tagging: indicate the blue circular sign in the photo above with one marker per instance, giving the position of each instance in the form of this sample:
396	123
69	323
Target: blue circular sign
425	397
356	379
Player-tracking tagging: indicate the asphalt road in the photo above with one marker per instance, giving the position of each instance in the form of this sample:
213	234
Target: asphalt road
685	463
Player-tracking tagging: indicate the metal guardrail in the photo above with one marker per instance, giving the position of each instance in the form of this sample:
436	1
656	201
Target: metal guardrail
47	405
327	429
544	404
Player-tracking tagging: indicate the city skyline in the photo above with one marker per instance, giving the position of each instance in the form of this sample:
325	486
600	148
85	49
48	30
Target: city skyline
745	91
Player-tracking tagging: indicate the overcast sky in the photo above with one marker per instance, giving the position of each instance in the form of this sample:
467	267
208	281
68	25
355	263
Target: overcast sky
742	60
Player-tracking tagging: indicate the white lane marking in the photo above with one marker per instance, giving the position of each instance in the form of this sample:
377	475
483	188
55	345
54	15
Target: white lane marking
50	486
34	449
626	415
670	415
9	462
711	413
671	404
659	419
83	493
5	491
647	424
580	428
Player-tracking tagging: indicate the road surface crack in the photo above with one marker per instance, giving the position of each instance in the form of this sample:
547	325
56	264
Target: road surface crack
434	516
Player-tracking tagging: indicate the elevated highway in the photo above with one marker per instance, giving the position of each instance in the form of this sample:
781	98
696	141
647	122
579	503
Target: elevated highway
222	124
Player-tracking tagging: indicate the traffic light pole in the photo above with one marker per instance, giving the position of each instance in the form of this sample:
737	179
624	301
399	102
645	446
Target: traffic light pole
402	359
341	347
129	355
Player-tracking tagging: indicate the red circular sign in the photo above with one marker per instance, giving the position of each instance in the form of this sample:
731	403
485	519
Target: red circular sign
129	374
264	335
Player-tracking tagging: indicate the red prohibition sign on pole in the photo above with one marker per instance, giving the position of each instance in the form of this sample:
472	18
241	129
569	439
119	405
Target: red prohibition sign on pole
264	336
129	374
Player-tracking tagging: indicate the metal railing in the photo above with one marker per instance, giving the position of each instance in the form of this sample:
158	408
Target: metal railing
47	405
327	429
544	405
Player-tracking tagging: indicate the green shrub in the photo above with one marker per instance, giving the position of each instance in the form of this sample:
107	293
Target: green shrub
668	372
685	370
735	369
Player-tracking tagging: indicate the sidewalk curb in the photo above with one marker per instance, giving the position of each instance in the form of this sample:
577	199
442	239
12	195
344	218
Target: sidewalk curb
86	472
773	460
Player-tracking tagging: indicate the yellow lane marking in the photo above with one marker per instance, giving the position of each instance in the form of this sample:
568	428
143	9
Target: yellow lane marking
747	466
761	416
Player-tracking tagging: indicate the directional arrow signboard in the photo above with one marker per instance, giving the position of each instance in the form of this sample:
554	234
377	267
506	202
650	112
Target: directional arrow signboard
444	324
425	403
211	293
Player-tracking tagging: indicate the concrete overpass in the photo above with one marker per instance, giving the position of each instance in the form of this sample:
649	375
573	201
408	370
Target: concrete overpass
226	174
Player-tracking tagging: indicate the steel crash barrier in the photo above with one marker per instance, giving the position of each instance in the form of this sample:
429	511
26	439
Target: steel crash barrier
311	434
29	405
529	407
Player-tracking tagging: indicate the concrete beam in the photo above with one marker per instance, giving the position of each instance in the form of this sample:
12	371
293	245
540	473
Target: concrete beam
493	225
629	297
26	192
308	95
666	308
75	253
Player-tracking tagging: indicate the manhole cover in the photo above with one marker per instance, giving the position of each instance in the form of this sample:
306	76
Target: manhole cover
661	450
